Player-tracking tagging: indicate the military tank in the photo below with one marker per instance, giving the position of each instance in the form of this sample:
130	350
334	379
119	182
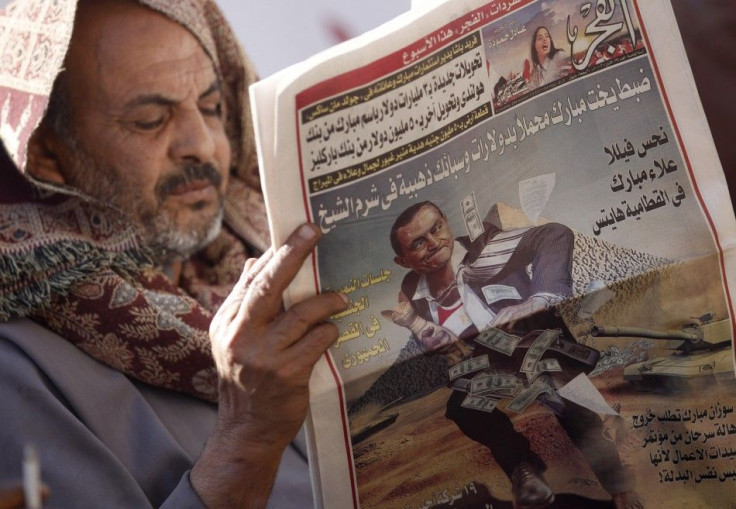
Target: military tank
702	355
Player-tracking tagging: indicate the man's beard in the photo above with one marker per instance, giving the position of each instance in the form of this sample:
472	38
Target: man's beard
159	232
169	243
162	236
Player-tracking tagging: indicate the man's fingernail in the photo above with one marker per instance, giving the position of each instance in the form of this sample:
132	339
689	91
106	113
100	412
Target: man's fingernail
307	232
343	297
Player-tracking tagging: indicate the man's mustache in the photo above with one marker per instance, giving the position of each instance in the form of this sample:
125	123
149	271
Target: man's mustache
189	173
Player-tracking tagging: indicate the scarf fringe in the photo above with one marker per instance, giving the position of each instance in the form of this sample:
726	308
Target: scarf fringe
29	278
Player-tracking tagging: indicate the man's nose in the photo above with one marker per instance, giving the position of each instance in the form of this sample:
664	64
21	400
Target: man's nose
194	139
432	241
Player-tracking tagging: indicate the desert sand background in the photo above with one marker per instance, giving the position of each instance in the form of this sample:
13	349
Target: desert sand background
423	457
678	444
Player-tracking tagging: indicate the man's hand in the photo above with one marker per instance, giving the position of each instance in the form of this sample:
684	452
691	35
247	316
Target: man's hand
508	316
264	359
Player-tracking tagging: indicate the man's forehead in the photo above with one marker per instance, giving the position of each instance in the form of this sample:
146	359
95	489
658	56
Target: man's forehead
114	37
423	220
428	213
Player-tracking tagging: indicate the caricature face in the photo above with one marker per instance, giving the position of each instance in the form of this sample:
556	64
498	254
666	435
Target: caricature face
542	44
426	242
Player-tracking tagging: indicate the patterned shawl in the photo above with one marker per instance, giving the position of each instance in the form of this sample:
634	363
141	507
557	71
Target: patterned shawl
76	265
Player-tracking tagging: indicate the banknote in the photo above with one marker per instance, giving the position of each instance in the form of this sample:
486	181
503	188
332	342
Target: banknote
473	222
540	386
544	365
469	366
479	403
502	384
498	340
538	348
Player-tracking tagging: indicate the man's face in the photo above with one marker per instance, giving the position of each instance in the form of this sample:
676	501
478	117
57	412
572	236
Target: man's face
148	133
426	242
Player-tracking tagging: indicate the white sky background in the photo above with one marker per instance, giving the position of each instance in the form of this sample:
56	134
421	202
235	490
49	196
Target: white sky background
277	33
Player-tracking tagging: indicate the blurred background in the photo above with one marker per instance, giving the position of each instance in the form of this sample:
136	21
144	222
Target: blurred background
277	33
708	28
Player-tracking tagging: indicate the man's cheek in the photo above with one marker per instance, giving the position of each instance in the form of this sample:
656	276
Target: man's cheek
224	158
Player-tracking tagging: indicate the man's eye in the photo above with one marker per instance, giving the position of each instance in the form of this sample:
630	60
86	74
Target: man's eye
215	111
149	125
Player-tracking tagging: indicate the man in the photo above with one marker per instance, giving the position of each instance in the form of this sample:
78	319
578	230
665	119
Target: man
506	280
110	241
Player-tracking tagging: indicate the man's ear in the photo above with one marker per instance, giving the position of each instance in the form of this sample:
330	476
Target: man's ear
399	260
44	149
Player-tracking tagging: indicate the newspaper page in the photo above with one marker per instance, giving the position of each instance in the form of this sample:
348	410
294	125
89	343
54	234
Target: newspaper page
524	205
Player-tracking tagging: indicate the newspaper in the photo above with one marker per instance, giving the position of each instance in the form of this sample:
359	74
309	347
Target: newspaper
537	179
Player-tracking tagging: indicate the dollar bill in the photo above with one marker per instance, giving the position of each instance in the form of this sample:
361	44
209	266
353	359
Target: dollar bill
544	365
498	340
540	386
473	222
538	348
479	403
502	384
469	366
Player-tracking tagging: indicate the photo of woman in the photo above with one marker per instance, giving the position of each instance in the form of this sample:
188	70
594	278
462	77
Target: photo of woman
549	63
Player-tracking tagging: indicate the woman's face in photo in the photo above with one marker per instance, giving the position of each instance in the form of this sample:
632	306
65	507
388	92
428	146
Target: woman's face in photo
542	44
